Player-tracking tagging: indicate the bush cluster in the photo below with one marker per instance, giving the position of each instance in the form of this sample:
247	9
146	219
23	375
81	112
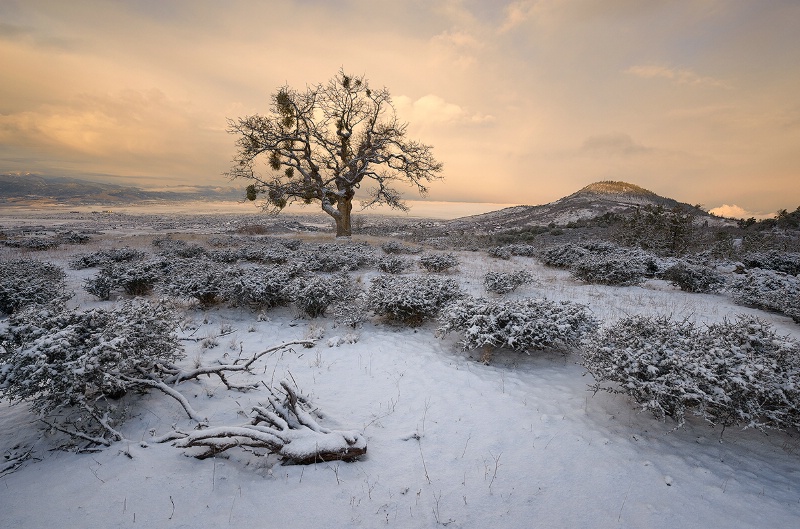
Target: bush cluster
505	282
259	287
27	282
411	299
521	325
731	373
438	262
499	252
768	290
199	279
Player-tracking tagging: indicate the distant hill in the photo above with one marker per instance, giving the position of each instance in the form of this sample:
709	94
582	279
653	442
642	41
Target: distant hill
594	200
19	189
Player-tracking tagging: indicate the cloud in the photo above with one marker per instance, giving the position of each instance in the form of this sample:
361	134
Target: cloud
613	144
432	109
738	212
678	76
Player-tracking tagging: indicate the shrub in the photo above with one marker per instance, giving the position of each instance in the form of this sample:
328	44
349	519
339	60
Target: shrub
33	243
786	262
693	278
336	257
524	250
169	247
410	299
78	363
505	282
609	270
313	294
197	279
500	252
768	290
396	247
521	325
393	265
562	256
730	373
438	262
136	278
259	287
28	281
104	257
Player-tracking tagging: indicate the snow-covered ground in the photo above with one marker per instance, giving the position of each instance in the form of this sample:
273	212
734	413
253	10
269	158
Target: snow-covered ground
451	441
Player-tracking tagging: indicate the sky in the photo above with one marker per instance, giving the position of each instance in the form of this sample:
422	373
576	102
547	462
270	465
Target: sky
524	101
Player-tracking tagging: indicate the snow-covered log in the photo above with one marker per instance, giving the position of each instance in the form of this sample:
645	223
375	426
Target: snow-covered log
285	427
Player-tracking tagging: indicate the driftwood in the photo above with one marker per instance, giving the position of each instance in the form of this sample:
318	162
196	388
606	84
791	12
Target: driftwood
285	427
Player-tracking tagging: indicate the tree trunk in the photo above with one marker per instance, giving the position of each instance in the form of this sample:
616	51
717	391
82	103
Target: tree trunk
343	226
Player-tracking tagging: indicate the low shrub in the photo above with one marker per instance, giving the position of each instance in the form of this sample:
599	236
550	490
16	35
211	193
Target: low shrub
693	278
72	365
500	252
30	282
768	290
438	262
198	279
730	373
411	299
521	325
103	257
135	278
314	293
260	287
393	265
786	262
505	282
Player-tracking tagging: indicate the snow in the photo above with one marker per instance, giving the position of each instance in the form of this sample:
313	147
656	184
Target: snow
517	443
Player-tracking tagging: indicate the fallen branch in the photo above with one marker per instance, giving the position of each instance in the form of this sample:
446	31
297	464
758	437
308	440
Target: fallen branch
285	428
220	370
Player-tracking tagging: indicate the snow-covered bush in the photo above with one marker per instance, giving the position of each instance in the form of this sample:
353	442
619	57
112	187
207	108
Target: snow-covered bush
731	373
270	254
563	255
169	247
396	247
505	282
438	262
521	325
768	290
351	311
314	293
259	287
336	257
135	278
33	243
500	252
609	270
73	365
104	257
199	279
524	250
226	255
28	281
693	278
411	299
786	262
393	265
602	262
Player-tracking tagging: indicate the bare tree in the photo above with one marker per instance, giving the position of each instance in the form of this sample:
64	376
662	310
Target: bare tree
321	144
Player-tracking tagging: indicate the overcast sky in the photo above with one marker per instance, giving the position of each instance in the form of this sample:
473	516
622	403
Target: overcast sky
524	102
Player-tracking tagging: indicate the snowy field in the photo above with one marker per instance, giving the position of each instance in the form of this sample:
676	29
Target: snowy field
518	443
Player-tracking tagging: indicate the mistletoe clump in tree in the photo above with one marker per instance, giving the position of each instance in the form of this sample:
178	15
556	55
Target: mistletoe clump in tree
321	144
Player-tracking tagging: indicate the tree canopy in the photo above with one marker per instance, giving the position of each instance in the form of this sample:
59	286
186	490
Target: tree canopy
320	144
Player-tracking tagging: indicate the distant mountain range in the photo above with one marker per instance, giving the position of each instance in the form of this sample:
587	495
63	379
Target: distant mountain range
21	189
594	200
